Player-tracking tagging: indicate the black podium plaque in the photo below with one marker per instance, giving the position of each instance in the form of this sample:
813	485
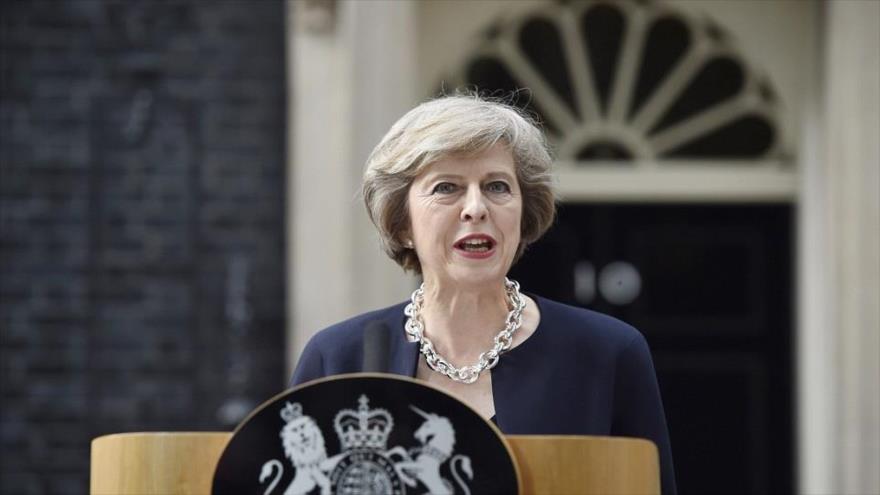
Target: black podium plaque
365	433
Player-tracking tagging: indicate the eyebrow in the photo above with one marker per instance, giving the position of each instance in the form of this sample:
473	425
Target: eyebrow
491	175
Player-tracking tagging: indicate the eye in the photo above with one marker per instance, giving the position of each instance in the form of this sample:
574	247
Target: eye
444	188
498	187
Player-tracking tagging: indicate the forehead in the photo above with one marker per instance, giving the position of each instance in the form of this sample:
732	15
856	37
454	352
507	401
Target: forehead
495	160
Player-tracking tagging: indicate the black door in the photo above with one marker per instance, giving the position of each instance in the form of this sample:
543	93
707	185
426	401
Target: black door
710	287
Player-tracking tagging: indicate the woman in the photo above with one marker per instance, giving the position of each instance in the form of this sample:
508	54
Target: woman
458	188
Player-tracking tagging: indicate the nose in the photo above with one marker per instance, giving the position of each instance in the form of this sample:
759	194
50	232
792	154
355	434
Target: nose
474	208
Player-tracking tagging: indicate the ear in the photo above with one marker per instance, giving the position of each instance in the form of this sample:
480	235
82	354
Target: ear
406	239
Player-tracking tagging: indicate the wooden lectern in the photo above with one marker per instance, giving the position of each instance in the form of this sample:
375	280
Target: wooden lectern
183	463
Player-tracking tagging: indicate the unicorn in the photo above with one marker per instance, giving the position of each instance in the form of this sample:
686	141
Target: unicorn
437	438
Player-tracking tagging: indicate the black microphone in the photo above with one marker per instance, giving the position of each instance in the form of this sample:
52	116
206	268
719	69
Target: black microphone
376	343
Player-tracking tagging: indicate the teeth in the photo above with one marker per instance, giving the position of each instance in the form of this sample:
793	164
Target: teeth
477	245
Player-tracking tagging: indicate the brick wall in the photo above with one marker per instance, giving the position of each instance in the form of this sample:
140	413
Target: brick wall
141	224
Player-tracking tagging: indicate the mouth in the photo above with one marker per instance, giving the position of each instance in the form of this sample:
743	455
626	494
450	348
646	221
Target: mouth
475	244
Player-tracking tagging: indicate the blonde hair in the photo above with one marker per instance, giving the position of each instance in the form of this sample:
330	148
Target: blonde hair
452	125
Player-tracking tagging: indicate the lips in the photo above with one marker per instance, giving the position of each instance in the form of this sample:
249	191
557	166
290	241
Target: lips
476	245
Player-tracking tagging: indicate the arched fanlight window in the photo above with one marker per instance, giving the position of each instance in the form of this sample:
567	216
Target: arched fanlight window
632	81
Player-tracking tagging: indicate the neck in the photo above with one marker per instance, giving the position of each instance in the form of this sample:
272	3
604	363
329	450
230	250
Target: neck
462	323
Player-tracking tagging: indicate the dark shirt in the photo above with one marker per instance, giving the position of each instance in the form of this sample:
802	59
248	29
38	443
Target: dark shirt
579	373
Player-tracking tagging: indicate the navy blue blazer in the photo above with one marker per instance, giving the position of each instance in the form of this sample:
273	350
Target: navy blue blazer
580	373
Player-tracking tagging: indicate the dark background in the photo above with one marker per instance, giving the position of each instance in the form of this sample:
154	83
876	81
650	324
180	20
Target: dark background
141	224
714	303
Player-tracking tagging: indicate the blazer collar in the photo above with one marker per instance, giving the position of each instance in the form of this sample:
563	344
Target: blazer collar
404	356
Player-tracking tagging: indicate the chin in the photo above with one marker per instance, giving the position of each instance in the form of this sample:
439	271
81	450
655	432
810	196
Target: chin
474	277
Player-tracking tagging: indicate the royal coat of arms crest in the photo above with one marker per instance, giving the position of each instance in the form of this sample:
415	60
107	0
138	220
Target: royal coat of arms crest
365	464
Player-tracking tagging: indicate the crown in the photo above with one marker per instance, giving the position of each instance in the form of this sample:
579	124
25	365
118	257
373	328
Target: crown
291	411
363	429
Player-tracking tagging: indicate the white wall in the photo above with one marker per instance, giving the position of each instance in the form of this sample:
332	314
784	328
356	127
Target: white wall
351	75
852	189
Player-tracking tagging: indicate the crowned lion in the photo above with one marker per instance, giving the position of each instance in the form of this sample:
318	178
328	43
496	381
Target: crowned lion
304	447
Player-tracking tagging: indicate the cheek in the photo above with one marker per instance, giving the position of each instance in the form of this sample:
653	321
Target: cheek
432	220
513	223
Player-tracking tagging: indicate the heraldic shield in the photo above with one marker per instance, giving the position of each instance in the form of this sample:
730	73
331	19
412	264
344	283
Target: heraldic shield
367	434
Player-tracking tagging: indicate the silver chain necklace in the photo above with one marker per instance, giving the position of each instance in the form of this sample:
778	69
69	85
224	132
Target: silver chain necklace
415	332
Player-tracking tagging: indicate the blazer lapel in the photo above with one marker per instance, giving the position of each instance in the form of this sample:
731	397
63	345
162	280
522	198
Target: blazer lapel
404	356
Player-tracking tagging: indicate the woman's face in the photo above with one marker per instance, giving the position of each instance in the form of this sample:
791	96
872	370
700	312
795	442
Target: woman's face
465	214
